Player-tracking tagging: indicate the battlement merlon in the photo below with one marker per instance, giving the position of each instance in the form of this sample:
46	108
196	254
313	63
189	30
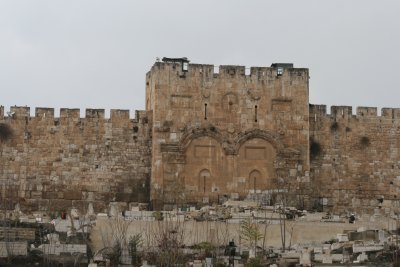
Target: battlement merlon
224	71
44	112
391	113
341	112
367	112
317	110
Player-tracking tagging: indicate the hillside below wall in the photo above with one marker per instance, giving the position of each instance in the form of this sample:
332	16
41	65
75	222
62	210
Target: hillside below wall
355	160
52	164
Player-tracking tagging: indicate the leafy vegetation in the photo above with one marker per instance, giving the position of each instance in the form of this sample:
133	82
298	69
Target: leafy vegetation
249	232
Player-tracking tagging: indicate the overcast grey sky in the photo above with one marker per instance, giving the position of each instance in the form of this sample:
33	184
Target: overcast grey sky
81	53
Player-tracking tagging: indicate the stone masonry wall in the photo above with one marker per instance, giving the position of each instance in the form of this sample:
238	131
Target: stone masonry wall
204	135
226	133
355	163
52	164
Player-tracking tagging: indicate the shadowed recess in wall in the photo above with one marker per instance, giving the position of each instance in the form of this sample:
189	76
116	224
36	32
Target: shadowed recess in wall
315	149
5	132
364	141
334	126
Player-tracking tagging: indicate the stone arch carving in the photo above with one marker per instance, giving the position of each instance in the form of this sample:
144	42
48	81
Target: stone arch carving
270	137
204	161
256	160
194	133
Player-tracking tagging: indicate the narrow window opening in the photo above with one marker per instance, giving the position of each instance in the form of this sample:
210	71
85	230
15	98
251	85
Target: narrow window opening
255	113
204	183
205	111
185	66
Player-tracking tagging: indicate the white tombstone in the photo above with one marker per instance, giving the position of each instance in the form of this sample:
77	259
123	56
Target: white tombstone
75	213
327	259
90	210
252	254
305	258
146	265
362	257
113	212
342	237
17	208
53	238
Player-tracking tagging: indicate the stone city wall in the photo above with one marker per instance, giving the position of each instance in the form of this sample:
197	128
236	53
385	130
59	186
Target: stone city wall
204	135
355	163
52	164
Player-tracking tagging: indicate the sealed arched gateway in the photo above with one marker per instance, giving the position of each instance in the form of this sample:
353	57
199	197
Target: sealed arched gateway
209	166
211	171
226	134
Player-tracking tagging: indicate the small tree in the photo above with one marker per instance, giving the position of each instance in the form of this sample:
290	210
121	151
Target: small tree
167	239
115	239
249	232
283	196
135	242
267	222
291	226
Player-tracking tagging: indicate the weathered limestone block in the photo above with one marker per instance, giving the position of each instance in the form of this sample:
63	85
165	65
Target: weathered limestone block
73	195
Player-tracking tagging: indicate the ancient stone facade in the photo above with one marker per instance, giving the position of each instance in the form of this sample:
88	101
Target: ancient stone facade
218	134
52	164
205	135
355	160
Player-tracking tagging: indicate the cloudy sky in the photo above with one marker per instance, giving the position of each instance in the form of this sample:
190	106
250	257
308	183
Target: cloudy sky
95	53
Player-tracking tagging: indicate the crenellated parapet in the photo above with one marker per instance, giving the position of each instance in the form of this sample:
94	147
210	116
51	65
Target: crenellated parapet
122	116
231	71
346	112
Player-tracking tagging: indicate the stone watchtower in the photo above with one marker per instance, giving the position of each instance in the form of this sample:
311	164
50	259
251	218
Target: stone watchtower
226	133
